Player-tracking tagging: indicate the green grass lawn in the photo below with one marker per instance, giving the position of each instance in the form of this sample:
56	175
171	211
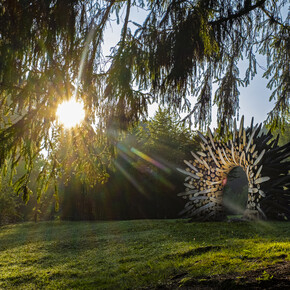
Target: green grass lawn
134	254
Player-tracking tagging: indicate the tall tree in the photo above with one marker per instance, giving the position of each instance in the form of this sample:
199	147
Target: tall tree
51	50
165	136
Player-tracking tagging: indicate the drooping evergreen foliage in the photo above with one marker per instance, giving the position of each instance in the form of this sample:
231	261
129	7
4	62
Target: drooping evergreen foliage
51	50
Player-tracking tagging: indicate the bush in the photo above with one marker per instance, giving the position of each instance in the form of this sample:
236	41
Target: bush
9	203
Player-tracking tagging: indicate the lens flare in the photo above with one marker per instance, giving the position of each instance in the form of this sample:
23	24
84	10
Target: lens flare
151	160
129	177
131	156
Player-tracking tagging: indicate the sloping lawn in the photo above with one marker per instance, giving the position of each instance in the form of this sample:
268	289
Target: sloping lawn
135	254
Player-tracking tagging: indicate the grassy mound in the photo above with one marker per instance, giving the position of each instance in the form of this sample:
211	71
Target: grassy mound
136	254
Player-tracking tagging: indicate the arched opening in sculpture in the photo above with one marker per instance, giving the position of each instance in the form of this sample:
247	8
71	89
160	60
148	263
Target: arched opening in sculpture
258	154
235	193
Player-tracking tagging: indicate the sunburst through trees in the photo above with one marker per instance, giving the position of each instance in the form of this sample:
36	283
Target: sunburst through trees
50	50
70	113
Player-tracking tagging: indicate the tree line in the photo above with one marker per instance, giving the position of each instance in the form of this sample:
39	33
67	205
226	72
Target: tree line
142	183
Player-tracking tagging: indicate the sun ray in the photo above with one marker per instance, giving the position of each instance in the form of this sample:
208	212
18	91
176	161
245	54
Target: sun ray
151	160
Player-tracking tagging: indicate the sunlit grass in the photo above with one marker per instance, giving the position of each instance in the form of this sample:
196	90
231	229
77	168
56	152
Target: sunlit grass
132	254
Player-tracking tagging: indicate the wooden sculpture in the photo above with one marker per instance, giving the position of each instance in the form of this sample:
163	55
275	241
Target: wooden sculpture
264	162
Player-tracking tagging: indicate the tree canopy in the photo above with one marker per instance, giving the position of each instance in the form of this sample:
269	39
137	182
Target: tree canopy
52	50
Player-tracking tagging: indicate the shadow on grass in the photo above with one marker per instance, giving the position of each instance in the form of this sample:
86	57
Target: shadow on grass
96	252
74	236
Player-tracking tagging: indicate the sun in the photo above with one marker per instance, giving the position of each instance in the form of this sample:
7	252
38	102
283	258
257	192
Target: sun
70	113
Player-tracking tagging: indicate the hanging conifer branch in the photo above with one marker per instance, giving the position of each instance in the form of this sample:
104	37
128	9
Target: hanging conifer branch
244	11
53	50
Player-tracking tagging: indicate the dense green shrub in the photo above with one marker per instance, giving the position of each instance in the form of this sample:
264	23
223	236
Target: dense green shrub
9	203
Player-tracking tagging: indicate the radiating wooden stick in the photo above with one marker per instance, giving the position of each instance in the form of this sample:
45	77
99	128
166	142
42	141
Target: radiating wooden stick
259	157
190	165
202	137
187	173
196	157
